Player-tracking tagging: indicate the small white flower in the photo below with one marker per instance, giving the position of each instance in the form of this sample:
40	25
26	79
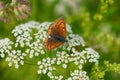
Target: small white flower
16	66
2	55
58	62
50	68
64	66
41	66
44	71
10	64
44	60
49	73
76	62
39	71
22	62
60	77
39	62
56	77
82	61
80	66
36	54
69	79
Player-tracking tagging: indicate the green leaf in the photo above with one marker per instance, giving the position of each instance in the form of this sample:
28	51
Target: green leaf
6	1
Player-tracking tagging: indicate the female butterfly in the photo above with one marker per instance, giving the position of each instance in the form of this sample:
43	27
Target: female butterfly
57	33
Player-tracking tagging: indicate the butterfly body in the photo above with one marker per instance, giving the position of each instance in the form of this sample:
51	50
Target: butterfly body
57	34
58	39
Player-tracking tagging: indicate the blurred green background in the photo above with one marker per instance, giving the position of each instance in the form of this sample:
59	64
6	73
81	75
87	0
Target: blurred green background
102	35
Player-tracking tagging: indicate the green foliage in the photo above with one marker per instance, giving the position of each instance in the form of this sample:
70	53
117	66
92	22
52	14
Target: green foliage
6	1
99	71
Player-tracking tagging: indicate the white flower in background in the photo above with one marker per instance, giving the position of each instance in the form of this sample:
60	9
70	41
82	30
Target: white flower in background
62	6
29	39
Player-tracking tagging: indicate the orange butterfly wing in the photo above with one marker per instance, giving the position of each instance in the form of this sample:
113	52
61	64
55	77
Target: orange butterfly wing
51	44
58	28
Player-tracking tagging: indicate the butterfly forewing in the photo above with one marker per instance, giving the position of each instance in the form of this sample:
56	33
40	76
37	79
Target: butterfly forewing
58	28
51	44
61	27
50	32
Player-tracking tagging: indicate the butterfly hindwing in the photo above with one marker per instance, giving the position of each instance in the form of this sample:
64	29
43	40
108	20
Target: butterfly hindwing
51	44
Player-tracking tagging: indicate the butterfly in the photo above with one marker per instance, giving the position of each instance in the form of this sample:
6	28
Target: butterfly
57	34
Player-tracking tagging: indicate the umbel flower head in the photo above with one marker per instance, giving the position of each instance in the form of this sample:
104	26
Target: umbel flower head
29	39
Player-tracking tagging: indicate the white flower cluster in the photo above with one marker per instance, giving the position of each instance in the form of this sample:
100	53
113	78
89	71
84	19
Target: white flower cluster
60	77
46	65
74	40
78	75
85	55
91	55
23	33
36	46
5	47
12	56
31	34
30	37
62	5
78	58
15	57
62	58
